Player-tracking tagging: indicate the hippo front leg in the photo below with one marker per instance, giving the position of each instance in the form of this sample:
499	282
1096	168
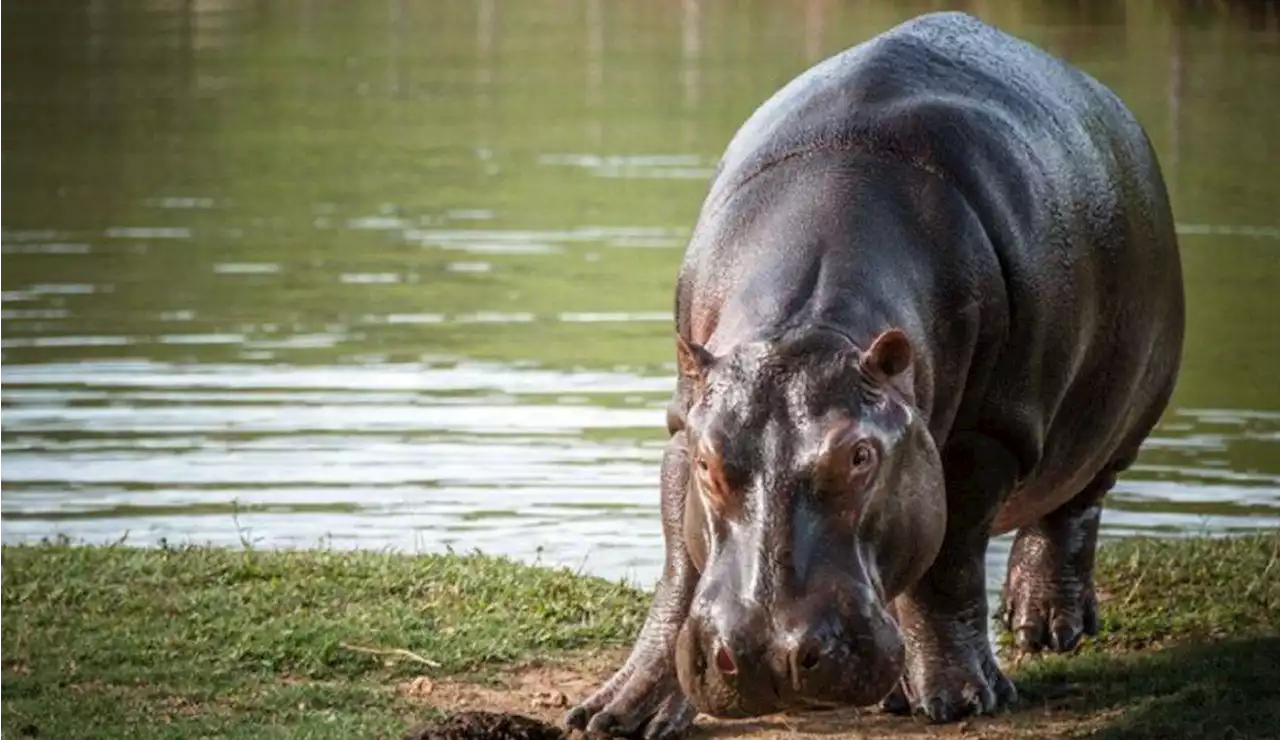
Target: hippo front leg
951	670
644	698
1049	600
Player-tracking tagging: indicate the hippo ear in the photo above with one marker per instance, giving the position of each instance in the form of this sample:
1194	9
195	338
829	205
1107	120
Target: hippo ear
694	359
889	355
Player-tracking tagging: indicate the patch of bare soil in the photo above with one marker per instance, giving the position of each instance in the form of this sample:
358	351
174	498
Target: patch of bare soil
486	726
528	702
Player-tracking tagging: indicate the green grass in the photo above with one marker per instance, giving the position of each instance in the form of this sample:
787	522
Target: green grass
1191	589
109	642
1189	647
206	642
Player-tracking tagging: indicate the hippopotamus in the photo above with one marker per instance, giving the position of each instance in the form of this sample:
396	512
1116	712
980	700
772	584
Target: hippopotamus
933	295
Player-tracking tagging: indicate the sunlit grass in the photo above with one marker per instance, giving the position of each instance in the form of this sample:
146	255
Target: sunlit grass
107	642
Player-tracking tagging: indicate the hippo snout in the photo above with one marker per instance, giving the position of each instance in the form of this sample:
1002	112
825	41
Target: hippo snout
738	660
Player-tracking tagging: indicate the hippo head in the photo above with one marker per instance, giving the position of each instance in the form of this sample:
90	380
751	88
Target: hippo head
815	497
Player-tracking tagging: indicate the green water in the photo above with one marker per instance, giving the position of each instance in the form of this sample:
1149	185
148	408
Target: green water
400	273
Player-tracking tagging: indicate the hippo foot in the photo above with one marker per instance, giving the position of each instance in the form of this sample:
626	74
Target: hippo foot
1046	614
954	687
643	700
1049	601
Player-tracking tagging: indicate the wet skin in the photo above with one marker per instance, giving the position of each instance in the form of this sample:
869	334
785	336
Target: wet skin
933	295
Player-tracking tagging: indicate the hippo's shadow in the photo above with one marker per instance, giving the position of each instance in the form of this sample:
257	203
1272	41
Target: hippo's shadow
1226	689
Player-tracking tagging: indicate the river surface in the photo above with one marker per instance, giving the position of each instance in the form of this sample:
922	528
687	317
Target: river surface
399	275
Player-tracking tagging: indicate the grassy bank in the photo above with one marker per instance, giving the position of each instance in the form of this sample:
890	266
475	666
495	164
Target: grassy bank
195	642
199	642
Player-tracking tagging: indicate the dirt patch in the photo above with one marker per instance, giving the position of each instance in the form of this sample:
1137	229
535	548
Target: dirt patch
534	697
540	689
486	726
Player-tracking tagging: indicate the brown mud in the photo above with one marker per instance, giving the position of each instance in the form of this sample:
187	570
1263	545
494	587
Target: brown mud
528	702
486	726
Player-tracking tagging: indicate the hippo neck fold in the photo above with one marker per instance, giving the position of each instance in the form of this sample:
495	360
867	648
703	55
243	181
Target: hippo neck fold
833	341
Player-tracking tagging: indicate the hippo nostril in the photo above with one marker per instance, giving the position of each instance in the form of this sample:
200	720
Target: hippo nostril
805	658
809	657
724	661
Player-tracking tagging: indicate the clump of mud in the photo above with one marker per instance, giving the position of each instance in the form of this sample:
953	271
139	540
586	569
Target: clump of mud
486	726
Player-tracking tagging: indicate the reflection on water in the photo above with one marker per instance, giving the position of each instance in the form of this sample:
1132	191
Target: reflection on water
485	455
400	274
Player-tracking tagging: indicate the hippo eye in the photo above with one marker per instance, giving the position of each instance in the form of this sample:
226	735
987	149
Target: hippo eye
862	455
702	464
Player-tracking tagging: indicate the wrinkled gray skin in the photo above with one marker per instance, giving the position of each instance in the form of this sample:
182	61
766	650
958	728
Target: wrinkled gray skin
933	295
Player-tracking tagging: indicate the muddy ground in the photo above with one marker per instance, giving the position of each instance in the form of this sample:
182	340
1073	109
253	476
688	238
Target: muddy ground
544	691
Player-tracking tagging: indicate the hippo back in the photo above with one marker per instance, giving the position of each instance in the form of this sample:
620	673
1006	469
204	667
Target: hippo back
1067	190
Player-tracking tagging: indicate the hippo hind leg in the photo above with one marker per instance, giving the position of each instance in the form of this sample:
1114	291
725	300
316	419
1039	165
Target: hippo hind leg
1049	601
